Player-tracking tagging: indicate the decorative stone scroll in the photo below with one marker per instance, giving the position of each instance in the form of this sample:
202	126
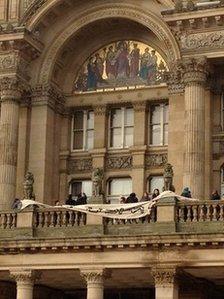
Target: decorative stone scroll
80	165
156	160
123	162
95	276
206	40
24	276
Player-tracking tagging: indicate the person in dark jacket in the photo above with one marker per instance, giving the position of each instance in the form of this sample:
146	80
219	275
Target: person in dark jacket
186	192
16	204
132	198
155	193
81	199
70	201
215	195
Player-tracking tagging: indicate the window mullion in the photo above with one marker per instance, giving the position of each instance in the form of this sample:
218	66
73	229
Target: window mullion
222	111
162	125
122	126
85	130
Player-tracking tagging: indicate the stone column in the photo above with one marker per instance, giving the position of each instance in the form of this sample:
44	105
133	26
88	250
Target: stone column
165	283
9	124
95	283
24	283
194	76
139	147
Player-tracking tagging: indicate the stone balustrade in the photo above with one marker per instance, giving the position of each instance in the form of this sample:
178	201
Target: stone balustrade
8	220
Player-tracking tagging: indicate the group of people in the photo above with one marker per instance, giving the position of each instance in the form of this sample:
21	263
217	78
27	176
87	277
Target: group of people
81	199
132	198
119	61
187	193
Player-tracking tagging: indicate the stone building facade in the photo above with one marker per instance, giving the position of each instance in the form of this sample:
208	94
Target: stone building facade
124	86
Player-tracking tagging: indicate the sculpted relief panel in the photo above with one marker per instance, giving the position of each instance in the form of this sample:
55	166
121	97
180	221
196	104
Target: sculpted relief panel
123	162
80	165
202	40
121	64
156	160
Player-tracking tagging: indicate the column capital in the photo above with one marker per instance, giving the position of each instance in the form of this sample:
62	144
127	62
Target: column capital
48	94
174	79
25	276
164	276
140	106
11	88
96	276
195	70
100	109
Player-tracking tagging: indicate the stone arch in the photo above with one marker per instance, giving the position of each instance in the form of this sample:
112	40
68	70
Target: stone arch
147	19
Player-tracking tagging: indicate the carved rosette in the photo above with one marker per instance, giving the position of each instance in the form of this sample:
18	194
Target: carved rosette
95	276
164	277
25	276
195	70
11	89
47	94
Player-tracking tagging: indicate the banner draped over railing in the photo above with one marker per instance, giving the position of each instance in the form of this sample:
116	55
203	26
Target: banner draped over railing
114	211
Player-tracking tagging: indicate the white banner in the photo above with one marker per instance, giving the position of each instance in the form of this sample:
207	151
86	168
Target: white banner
114	211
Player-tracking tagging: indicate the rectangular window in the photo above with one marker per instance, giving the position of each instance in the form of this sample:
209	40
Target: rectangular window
121	127
159	118
83	130
119	187
156	182
78	187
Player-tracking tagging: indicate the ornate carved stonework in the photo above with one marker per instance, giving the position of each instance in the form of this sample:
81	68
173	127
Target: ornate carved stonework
203	41
163	277
25	276
174	79
80	165
123	162
140	106
47	94
100	110
195	70
95	276
11	88
156	160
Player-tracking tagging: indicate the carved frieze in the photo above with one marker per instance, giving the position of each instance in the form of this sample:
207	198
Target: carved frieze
164	277
95	276
121	162
80	165
156	160
202	41
27	276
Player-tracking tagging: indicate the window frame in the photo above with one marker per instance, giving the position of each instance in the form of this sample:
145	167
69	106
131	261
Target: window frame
85	130
222	111
117	197
73	181
149	181
162	124
122	127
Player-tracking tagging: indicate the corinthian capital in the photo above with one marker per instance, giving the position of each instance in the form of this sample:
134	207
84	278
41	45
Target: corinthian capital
25	276
94	276
174	79
195	70
11	88
164	276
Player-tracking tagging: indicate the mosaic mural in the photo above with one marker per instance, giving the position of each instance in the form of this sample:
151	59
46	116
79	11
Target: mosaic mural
121	64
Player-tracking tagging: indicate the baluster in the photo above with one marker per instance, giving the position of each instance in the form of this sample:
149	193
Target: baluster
195	213
64	218
41	219
201	213
71	218
47	219
188	214
181	214
8	220
214	212
207	215
58	218
14	217
52	219
221	213
35	219
3	223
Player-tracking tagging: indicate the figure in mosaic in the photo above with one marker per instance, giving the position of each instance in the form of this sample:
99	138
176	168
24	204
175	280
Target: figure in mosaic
134	61
110	63
91	75
145	59
122	62
152	67
99	67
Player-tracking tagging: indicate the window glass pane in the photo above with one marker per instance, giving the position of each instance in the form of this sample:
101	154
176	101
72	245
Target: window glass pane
78	120
166	114
156	114
90	120
87	188
78	140
116	118
89	139
76	188
128	137
129	117
120	187
115	138
156	135
165	136
156	182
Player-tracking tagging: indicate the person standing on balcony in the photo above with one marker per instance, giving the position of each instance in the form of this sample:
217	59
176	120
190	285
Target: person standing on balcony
146	197
155	193
215	195
132	198
186	192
